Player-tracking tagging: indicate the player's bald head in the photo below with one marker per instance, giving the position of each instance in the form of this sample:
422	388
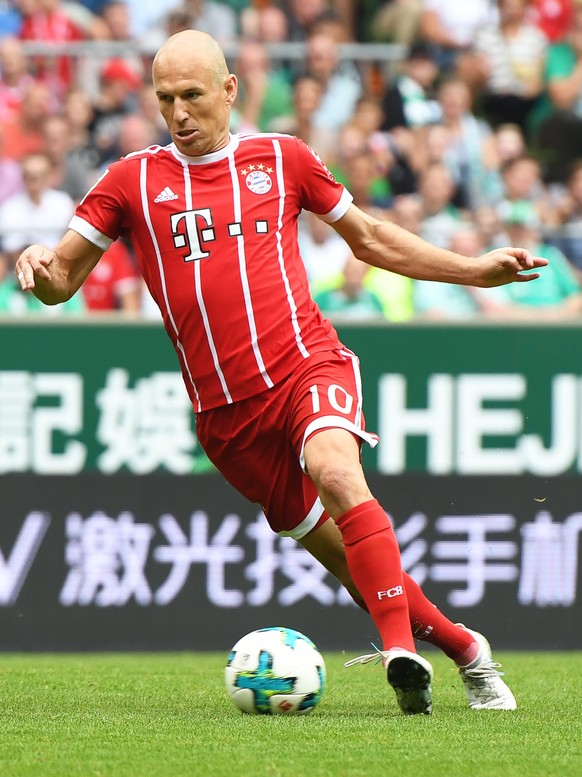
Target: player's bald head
191	49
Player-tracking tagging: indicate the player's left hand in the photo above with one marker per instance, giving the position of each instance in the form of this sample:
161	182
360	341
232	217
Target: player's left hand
508	265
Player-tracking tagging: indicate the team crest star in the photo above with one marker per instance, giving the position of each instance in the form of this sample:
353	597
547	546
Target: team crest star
251	167
269	169
244	172
261	166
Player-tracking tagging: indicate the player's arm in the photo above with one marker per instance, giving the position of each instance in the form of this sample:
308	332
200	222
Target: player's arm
55	275
388	246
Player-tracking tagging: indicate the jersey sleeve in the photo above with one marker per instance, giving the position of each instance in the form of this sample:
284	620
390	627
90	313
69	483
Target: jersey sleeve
101	216
319	191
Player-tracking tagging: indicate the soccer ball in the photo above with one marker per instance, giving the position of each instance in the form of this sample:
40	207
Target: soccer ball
275	671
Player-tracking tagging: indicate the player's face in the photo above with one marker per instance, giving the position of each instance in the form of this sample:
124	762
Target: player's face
195	103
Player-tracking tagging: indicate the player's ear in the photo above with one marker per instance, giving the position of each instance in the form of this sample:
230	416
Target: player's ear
231	88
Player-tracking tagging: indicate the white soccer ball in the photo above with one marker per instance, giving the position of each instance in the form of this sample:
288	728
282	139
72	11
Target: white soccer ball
275	671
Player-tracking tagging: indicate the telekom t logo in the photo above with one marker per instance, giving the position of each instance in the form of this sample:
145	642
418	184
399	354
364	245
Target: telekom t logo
190	232
391	592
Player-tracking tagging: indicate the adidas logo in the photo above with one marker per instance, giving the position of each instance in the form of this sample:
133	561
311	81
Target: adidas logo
165	195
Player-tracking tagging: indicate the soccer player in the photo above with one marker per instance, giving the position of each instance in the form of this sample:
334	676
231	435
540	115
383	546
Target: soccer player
277	397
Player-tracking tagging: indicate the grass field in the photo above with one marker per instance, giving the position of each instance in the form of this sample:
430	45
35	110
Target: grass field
167	715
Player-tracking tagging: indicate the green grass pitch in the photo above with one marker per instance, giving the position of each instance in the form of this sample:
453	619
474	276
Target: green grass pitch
168	715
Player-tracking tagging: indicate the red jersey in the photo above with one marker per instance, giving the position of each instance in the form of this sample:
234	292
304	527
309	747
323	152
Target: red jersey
216	240
52	27
111	278
553	17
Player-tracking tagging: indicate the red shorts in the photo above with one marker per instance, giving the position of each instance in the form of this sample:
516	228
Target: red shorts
257	444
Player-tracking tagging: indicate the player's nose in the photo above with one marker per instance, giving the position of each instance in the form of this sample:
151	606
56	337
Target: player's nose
180	111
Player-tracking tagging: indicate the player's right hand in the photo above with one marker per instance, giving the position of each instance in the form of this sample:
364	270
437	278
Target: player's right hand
33	261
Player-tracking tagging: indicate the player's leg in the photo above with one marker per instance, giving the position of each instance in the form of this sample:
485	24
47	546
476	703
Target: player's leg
326	428
468	649
332	460
372	553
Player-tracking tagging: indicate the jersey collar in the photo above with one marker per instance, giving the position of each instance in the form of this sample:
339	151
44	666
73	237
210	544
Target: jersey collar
206	159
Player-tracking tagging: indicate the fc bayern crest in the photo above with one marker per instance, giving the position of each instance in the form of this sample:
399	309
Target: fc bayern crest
259	182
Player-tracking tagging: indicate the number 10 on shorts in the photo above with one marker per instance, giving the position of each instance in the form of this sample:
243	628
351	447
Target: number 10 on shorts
337	397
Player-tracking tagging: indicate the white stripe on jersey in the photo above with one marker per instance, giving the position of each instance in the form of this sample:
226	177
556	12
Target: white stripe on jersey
146	213
200	297
242	265
292	304
358	380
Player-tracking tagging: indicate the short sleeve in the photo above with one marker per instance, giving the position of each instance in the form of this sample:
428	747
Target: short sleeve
101	216
319	190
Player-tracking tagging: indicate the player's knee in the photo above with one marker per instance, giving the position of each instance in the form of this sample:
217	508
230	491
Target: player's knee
343	483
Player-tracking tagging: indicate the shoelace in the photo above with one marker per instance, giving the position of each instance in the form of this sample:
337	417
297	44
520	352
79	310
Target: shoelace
378	656
482	671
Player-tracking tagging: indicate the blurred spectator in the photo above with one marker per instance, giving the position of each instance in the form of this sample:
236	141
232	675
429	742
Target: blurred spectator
396	154
114	283
446	301
115	15
10	174
507	142
23	131
342	86
66	174
450	26
323	251
38	214
488	224
145	15
349	143
14	77
393	291
149	108
511	58
135	133
265	97
557	119
367	184
95	6
557	294
117	98
568	234
368	115
407	212
396	21
522	182
215	18
90	23
265	23
301	15
440	218
47	21
79	113
10	18
307	93
466	143
410	101
332	23
348	296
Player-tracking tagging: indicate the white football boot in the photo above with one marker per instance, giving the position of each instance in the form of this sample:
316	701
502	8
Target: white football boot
482	680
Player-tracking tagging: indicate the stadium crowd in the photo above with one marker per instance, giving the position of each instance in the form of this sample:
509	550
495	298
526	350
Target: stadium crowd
471	139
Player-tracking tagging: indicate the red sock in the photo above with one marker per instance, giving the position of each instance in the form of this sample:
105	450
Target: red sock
430	625
373	559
